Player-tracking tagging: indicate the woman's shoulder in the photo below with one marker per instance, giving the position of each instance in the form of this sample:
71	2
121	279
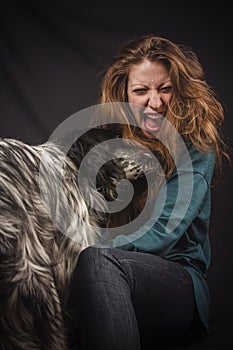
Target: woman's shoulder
200	156
203	162
196	161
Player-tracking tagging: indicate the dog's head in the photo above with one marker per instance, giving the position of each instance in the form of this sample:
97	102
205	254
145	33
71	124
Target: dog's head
111	162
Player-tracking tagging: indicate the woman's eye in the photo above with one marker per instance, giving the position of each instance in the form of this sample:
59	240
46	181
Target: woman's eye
166	89
139	91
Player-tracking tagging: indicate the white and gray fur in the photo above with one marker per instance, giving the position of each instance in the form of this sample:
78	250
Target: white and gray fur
36	258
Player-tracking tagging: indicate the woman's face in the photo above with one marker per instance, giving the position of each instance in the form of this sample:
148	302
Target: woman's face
149	85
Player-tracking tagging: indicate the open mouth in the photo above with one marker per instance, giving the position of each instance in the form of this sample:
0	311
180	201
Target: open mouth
152	122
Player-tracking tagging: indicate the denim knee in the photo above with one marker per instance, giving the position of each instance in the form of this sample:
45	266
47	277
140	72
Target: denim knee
88	253
88	259
104	264
92	260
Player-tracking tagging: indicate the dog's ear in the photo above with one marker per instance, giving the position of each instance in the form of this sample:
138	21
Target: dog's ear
82	145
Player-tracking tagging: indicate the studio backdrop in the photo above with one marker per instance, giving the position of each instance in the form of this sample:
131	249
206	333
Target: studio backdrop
53	53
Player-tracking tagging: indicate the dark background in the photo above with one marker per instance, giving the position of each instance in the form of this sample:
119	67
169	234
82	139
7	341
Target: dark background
51	57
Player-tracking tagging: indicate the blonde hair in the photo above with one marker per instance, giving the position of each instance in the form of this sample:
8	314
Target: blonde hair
194	109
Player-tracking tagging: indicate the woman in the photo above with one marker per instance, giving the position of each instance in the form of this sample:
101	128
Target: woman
149	288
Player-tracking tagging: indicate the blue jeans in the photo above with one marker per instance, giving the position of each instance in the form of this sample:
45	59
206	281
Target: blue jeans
125	300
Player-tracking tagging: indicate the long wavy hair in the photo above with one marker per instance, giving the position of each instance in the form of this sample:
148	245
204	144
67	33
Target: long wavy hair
194	110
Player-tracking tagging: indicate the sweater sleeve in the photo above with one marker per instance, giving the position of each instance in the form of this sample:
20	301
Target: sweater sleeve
179	203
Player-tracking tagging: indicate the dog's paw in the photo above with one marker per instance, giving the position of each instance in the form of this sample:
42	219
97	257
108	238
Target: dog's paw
135	164
131	169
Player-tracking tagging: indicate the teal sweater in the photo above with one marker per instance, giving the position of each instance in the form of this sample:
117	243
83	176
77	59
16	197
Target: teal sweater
179	231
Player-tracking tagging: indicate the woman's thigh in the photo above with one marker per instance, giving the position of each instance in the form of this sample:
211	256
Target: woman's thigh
157	293
161	293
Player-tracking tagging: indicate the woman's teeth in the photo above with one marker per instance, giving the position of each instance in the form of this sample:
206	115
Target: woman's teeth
152	116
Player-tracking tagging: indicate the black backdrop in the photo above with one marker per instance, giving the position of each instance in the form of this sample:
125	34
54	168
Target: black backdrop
51	57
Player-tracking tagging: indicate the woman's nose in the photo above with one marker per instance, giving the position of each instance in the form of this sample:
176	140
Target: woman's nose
154	100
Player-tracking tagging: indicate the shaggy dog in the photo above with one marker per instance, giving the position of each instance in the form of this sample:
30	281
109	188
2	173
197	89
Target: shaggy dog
36	257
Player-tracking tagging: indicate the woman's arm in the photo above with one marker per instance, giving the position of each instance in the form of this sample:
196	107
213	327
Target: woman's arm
180	201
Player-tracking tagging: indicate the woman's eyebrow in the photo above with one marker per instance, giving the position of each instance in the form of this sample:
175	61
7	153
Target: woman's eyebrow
141	84
166	81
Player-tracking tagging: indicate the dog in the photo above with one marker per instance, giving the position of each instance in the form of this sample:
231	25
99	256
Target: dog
40	239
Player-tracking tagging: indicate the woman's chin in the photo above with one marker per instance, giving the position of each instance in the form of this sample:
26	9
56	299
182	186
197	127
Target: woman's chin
149	134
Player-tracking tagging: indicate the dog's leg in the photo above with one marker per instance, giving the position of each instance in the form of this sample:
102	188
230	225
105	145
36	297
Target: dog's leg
31	312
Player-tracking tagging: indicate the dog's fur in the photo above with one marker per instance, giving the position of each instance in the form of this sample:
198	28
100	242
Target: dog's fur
36	258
